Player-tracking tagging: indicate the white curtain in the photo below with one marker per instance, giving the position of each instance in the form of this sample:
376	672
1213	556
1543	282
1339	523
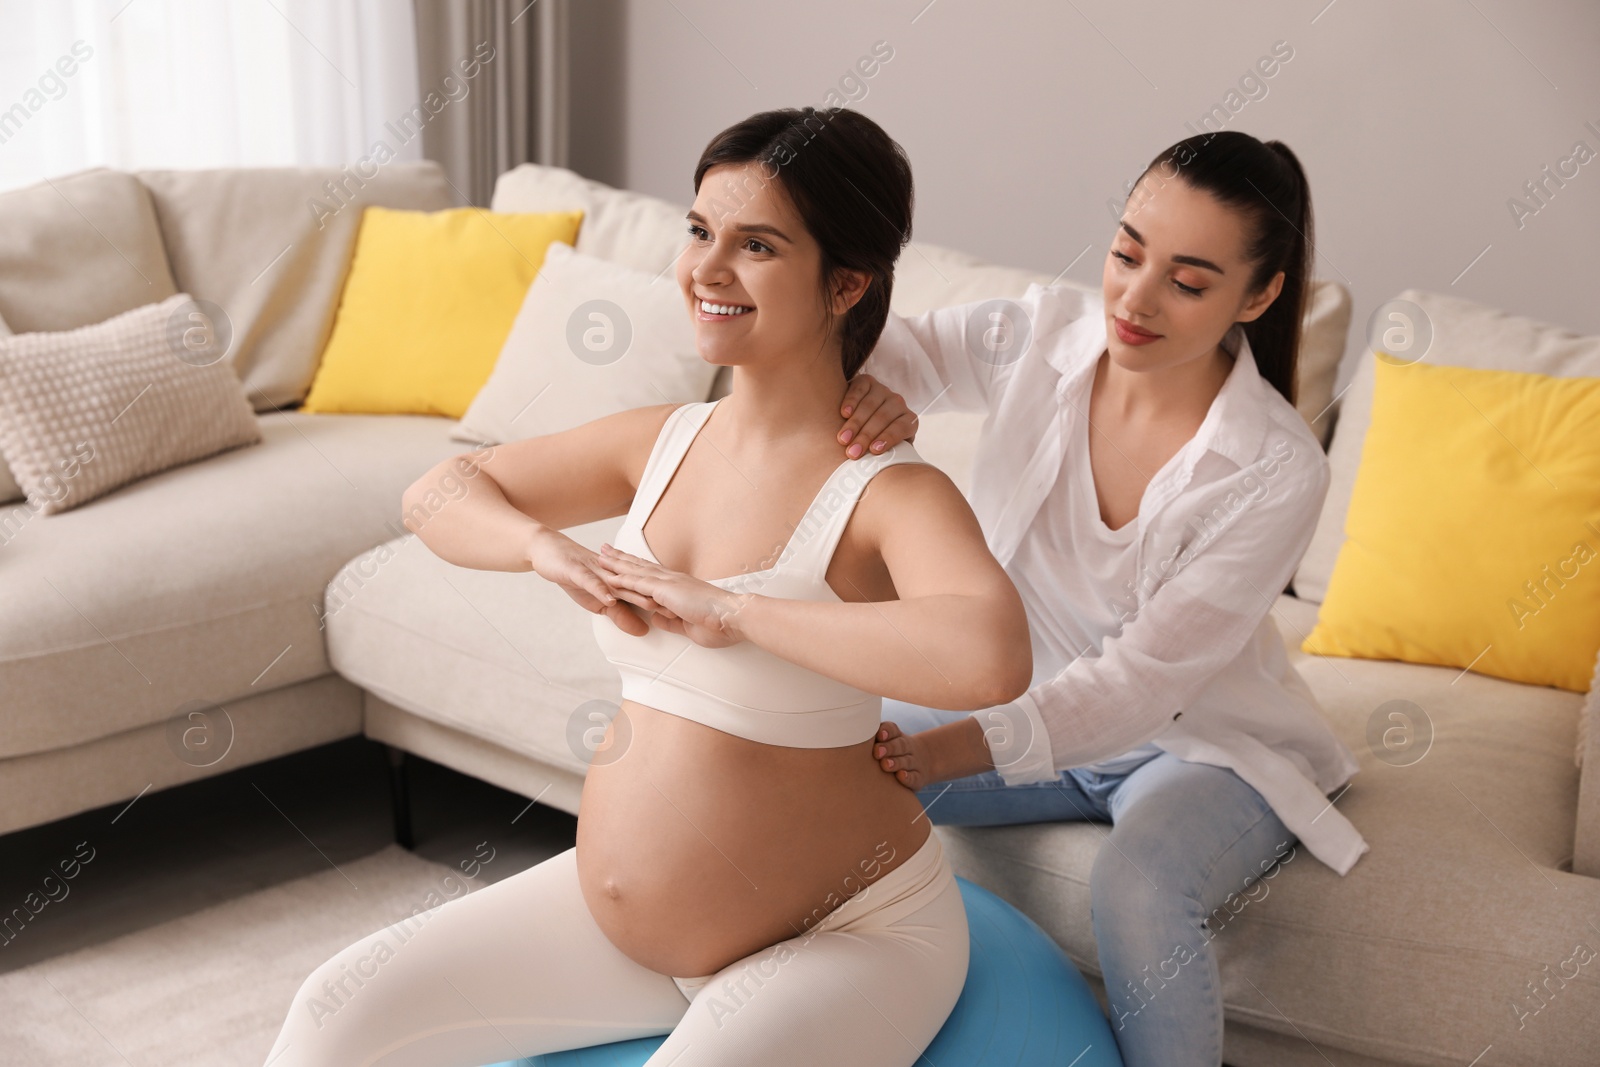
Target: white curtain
137	84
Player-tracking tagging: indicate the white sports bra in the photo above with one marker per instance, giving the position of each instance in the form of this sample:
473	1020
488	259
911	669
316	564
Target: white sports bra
743	689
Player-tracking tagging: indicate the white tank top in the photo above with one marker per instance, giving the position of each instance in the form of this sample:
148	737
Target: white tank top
743	689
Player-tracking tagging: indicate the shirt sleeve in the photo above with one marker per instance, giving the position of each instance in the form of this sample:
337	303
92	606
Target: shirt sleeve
1211	599
953	358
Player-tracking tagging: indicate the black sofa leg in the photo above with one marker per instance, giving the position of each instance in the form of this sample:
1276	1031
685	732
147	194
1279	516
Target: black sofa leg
400	795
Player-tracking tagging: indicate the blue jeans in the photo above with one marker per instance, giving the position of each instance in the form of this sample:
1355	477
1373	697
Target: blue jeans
1189	846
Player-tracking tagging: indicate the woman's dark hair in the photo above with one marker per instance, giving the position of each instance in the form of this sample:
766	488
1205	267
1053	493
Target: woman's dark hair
1265	182
851	185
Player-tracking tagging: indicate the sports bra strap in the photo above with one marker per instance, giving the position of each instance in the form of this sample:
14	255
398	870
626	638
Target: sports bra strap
672	444
744	690
810	548
815	540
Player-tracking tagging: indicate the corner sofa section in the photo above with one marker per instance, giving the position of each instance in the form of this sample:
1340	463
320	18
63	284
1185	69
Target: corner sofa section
199	589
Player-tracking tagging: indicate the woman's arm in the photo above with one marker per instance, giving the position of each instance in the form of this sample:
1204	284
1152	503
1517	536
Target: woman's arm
503	508
1211	600
953	358
956	638
948	359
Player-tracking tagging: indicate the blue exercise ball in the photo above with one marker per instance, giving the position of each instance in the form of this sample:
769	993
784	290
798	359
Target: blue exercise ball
1024	1005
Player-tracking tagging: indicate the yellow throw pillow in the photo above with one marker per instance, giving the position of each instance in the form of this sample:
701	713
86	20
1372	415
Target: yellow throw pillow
428	301
1473	538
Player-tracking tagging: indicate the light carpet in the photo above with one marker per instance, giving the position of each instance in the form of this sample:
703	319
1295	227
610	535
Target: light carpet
210	989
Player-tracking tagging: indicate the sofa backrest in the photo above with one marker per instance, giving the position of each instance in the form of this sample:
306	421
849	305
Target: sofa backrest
78	249
270	246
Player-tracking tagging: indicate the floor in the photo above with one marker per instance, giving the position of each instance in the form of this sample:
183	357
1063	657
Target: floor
176	851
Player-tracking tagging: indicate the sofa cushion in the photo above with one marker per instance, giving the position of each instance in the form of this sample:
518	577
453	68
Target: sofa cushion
44	786
428	301
1462	334
269	246
85	411
638	231
1463	896
203	582
1439	460
928	276
504	656
1586	840
79	249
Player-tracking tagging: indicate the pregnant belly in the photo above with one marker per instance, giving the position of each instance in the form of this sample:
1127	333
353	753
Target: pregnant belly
697	848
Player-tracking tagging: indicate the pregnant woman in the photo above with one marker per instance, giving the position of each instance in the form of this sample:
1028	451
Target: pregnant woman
1148	485
745	876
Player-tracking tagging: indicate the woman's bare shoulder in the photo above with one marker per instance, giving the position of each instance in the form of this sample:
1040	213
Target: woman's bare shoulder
917	520
909	488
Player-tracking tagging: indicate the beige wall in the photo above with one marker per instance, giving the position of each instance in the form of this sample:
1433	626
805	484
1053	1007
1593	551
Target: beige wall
1416	121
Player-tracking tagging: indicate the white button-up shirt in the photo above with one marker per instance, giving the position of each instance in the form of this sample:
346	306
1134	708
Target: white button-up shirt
1198	666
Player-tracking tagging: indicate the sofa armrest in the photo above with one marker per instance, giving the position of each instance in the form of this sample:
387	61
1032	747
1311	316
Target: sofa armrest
1586	845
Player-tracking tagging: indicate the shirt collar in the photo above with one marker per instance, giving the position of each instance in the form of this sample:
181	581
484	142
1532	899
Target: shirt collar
1237	421
1235	424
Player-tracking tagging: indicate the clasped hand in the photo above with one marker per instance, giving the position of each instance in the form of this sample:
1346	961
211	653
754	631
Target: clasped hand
635	593
676	602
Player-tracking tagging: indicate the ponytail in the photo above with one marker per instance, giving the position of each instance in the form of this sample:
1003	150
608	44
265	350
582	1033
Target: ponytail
1266	183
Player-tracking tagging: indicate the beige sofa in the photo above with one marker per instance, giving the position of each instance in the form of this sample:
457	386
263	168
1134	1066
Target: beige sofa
273	590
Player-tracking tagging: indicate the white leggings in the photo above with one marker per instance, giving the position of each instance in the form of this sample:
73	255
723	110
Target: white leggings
520	968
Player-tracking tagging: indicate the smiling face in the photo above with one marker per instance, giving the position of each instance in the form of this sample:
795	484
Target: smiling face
751	274
1176	277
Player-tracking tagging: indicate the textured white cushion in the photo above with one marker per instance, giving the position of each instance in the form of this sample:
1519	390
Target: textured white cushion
592	338
87	410
76	250
1464	334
